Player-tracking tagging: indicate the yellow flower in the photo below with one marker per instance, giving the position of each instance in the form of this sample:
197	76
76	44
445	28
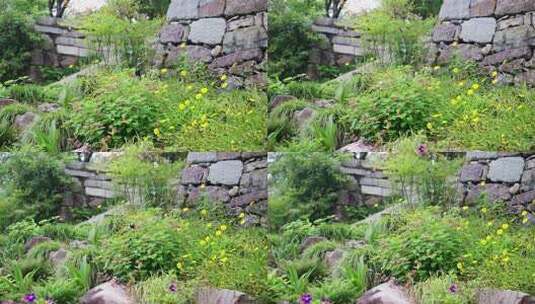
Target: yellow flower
198	96
505	259
181	107
204	125
183	45
524	220
224	259
465	208
224	85
494	74
209	225
189	87
524	213
505	226
186	209
218	233
183	73
470	92
179	265
223	227
242	222
436	67
157	132
494	81
429	126
163	71
490	223
204	212
455	43
456	71
204	90
484	210
242	215
483	242
203	186
224	77
475	86
499	232
202	242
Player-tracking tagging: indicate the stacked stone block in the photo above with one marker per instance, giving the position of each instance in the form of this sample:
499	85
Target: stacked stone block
498	34
62	45
500	178
338	44
237	180
230	36
368	184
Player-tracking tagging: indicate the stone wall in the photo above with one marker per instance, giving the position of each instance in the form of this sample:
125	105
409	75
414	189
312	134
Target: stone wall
500	177
228	35
498	34
368	184
62	45
338	44
237	180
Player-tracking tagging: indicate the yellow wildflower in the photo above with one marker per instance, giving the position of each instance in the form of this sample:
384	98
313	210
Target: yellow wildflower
179	265
484	210
223	227
204	212
475	86
470	92
524	220
524	213
224	77
181	106
204	90
242	215
218	233
465	208
186	209
499	232
163	71
224	85
505	226
157	132
456	71
494	74
183	73
429	126
198	96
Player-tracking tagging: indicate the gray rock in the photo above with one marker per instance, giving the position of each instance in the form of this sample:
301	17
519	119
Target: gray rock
255	165
354	244
250	198
512	67
311	240
240	7
465	51
48	107
491	192
183	9
110	292
193	175
36	240
333	258
256	179
217	50
303	117
25	121
6	101
222	296
280	99
386	293
514	37
226	172
194	53
245	38
472	173
208	30
217	194
234	191
479	30
201	157
528	179
237	57
523	198
357	147
454	9
58	257
507	169
241	22
494	296
173	33
228	155
211	8
507	55
514	189
445	32
482	8
509	22
511	7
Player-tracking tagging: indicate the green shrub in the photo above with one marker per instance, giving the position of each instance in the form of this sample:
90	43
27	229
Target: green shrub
34	184
444	289
290	36
145	178
18	39
153	8
29	93
429	245
305	186
156	290
393	34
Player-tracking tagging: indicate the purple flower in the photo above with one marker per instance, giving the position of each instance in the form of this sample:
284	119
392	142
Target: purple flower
172	287
421	150
453	288
30	298
305	299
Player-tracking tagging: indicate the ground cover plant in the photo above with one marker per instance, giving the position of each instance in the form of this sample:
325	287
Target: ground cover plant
440	251
161	251
394	94
124	98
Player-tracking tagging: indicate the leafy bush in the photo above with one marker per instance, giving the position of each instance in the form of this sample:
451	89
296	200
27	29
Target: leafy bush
34	184
444	289
290	36
121	33
153	8
305	186
29	93
393	34
430	245
165	289
145	178
18	39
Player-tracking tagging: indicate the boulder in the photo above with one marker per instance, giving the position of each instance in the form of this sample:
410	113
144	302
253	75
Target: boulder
48	107
454	9
58	257
208	30
240	7
356	147
245	38
506	169
35	241
173	33
222	296
6	101
445	32
193	175
479	30
482	8
311	240
511	7
333	258
303	117
386	293
183	9
226	172
25	121
110	292
211	8
494	296
473	172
